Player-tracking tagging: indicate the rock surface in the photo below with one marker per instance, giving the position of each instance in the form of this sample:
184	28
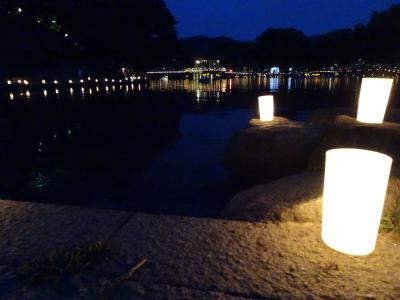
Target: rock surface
269	150
29	229
296	198
189	258
347	132
255	260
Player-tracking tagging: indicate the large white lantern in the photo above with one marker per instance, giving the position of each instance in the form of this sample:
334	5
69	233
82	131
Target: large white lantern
374	97
354	194
266	107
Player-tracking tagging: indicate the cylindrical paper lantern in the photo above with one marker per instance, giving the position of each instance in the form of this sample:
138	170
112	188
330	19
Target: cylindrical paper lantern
266	106
374	97
354	194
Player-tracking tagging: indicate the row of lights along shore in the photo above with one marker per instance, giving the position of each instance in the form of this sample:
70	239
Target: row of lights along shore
83	90
70	81
355	180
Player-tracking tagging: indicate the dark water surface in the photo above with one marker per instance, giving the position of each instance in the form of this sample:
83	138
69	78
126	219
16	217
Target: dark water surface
156	148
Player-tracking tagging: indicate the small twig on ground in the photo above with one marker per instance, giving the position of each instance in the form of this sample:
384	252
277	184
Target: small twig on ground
133	270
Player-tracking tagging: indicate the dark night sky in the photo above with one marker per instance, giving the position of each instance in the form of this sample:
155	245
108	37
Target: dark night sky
245	19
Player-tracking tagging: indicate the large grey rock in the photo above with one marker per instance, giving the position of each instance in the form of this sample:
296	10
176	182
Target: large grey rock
269	150
296	198
191	258
27	230
255	260
327	116
346	132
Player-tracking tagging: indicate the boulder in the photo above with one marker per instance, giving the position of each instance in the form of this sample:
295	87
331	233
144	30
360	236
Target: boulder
296	198
269	150
346	132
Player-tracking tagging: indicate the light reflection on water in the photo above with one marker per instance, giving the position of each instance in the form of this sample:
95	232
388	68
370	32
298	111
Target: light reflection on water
215	88
167	138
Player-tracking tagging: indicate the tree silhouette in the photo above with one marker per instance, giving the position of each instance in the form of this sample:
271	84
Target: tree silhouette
96	33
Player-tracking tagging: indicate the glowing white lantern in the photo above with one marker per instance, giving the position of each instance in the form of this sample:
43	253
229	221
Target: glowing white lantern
374	97
266	106
354	194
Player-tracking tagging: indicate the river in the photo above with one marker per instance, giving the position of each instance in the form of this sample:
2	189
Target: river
156	148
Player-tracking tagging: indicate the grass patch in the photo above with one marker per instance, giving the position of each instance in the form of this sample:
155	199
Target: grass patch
391	223
61	263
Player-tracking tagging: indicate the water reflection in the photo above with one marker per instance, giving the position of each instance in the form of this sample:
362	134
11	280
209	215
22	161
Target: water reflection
269	84
215	89
166	138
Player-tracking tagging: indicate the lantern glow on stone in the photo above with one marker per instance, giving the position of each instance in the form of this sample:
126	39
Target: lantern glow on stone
374	97
266	107
354	194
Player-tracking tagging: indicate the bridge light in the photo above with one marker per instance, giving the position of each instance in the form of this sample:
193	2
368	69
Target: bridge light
43	81
354	193
266	108
9	82
374	97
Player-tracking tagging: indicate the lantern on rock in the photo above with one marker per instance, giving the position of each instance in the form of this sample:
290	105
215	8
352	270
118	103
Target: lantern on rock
374	97
266	107
354	193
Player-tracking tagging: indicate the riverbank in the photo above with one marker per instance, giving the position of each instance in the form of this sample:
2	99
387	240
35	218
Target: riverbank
169	257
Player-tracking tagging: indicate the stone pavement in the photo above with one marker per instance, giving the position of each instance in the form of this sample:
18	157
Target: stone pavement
190	258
